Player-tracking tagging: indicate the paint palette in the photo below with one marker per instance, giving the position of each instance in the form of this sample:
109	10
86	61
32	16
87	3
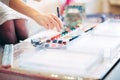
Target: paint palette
62	39
58	41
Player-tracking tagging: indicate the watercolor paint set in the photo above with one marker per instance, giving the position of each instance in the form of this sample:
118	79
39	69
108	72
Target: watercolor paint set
58	41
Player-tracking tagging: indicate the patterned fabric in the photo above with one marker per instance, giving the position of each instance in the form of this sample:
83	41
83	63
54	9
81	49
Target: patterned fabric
6	13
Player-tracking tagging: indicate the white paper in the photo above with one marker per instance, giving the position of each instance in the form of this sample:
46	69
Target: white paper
59	62
108	28
95	44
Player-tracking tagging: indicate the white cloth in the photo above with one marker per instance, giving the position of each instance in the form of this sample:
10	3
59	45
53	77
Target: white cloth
6	13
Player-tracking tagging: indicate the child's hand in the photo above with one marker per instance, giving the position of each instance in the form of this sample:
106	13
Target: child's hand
49	21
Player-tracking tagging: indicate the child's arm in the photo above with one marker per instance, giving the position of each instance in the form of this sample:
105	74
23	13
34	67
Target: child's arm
49	21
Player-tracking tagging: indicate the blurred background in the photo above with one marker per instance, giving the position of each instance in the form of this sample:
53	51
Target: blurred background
94	7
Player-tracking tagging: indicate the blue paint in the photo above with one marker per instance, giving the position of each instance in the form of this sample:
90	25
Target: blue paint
47	45
54	41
